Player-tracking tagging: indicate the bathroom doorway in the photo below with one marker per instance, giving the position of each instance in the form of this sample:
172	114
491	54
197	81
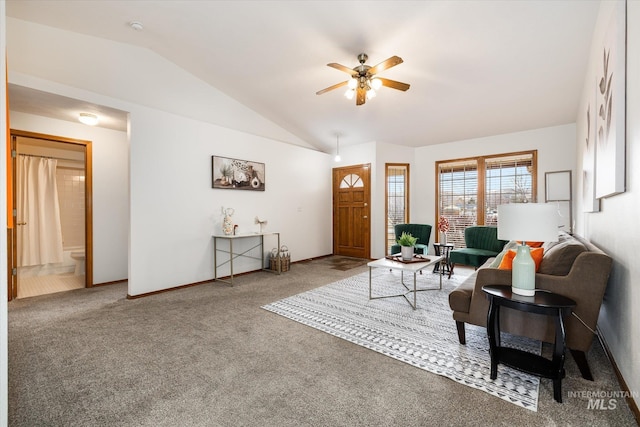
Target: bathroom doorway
51	248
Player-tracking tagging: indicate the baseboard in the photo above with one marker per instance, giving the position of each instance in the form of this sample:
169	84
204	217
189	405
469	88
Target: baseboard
312	259
114	282
173	288
633	405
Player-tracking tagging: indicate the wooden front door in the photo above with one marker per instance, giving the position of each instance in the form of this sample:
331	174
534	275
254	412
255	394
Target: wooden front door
351	211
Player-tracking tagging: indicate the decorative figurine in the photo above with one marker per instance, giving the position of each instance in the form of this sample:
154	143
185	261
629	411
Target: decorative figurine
227	225
261	223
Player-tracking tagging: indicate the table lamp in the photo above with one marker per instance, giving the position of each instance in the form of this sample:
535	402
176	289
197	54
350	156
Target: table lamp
526	222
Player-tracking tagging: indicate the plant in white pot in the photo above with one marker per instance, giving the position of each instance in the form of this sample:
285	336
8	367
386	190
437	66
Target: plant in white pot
407	242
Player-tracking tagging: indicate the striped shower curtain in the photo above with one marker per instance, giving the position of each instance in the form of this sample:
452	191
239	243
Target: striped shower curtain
38	220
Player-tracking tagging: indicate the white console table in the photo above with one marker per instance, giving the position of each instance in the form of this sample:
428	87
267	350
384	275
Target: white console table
245	253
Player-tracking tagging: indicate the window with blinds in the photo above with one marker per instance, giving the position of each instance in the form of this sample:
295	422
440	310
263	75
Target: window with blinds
458	197
469	190
397	199
509	179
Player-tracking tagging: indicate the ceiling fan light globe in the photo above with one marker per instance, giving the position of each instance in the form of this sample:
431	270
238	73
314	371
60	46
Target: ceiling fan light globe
376	83
353	83
371	94
349	94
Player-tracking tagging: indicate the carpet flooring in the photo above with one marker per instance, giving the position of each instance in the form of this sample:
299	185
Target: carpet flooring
425	338
209	356
342	263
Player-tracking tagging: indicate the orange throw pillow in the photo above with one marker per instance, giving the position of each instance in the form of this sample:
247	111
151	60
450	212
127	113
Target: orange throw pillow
507	259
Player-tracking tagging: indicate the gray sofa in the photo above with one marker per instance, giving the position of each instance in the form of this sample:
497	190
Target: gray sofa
572	267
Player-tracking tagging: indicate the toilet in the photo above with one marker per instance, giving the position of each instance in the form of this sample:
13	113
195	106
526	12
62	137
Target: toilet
78	257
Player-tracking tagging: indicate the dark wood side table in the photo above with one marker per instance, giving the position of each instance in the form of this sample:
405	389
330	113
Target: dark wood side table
443	249
543	302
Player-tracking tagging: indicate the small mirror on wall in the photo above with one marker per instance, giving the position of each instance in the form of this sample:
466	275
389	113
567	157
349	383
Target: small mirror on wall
558	190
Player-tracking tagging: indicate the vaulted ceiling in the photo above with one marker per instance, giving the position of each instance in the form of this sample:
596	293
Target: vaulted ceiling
476	68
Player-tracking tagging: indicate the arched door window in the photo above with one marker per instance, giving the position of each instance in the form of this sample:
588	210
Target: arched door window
351	181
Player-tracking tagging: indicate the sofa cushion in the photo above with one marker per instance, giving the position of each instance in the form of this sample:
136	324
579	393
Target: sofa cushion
559	257
471	256
563	236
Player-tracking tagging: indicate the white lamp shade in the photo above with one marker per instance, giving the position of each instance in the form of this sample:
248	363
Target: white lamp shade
532	222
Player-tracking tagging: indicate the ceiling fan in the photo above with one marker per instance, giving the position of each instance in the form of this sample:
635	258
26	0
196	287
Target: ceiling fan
364	83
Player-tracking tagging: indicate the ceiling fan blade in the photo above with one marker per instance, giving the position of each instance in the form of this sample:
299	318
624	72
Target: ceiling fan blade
386	64
361	96
393	84
336	86
347	70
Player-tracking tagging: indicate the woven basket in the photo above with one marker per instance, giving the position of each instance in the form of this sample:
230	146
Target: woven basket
280	257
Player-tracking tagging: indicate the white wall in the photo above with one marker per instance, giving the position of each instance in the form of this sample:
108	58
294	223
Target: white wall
110	158
3	220
173	211
614	229
556	151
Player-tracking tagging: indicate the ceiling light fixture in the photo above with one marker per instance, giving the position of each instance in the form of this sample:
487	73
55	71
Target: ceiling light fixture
367	83
363	83
363	80
88	119
136	25
337	158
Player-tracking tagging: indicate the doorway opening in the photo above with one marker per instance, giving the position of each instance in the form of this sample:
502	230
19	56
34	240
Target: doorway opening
51	241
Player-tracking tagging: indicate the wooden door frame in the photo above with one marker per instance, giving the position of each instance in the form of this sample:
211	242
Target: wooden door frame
366	166
88	206
407	209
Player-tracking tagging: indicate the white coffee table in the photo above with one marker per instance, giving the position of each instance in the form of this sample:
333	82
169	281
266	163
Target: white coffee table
410	267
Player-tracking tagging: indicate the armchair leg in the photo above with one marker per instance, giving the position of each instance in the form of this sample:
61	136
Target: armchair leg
461	335
581	360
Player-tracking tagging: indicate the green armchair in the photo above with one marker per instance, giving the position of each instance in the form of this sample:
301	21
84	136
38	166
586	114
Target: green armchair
421	231
482	243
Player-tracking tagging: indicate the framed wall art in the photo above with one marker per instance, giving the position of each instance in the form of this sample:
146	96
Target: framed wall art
610	107
227	173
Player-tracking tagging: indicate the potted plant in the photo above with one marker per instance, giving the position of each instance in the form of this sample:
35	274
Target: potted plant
407	242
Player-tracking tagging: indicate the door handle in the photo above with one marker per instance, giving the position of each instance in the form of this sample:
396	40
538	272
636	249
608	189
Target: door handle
365	217
22	223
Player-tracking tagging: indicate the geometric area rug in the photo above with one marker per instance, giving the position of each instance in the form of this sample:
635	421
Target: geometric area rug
425	338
